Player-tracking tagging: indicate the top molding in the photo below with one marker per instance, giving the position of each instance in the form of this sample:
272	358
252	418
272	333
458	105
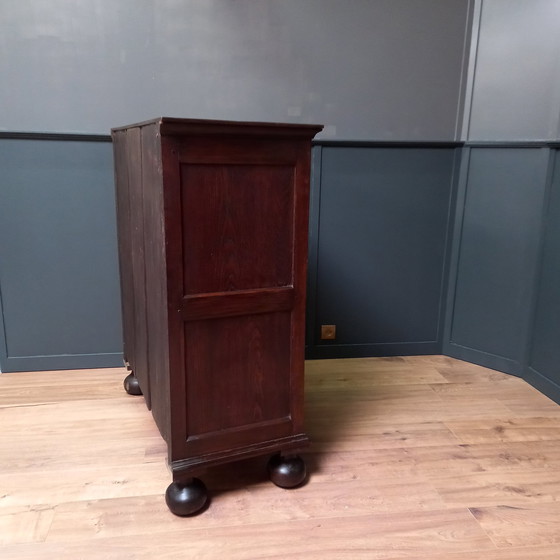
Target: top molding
169	126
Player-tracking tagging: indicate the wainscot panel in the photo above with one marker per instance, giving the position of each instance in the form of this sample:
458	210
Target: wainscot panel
543	370
58	268
382	215
496	246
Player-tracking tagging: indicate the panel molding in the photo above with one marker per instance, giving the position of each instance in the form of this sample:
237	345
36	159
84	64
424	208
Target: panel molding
449	246
469	73
460	197
3	341
313	250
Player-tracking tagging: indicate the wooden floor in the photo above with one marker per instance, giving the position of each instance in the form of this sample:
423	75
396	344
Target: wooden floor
423	457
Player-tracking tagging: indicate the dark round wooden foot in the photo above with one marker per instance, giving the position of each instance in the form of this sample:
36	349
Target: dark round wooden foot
186	498
286	472
131	385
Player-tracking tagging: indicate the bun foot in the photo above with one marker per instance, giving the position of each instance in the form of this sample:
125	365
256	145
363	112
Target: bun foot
131	385
287	472
186	498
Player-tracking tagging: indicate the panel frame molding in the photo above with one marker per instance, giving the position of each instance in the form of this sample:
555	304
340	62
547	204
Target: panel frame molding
314	348
519	367
15	363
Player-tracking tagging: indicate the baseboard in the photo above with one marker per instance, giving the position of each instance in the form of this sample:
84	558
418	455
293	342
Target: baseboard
59	362
320	352
484	359
543	384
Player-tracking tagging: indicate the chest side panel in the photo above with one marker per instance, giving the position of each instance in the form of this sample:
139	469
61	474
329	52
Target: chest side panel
238	214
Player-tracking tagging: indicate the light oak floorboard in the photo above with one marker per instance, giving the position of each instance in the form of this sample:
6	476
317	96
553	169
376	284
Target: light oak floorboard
411	457
493	430
532	525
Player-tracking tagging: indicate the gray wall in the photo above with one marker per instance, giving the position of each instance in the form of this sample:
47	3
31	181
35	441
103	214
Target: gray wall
381	69
516	93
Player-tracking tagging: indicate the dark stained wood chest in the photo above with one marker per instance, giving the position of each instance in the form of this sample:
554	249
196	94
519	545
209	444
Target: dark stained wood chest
212	226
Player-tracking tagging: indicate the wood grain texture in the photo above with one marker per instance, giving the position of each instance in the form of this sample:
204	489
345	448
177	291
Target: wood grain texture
531	525
82	471
247	359
232	304
238	226
135	294
214	230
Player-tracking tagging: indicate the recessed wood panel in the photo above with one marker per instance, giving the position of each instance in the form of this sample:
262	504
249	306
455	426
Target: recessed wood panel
238	226
237	371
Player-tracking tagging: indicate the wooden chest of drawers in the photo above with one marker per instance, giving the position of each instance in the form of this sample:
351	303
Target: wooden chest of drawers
212	225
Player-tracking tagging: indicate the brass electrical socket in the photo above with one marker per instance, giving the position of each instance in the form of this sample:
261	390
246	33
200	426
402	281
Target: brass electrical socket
328	332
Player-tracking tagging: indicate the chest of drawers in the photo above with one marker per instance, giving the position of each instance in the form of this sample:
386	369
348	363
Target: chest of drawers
212	227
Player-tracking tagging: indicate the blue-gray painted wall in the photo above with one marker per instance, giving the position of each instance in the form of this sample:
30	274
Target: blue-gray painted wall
543	368
447	248
498	235
59	289
379	231
378	266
